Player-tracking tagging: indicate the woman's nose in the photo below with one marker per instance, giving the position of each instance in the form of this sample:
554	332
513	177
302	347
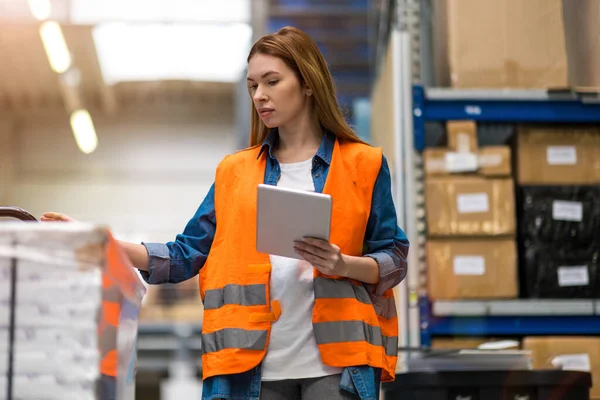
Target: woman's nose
259	95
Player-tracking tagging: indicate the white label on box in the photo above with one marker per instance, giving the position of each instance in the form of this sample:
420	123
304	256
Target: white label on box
469	265
573	362
561	155
573	276
461	162
473	203
567	210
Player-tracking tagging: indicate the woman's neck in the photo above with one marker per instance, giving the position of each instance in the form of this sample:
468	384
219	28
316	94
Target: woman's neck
298	142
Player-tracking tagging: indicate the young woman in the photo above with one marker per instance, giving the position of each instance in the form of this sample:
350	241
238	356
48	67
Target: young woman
277	328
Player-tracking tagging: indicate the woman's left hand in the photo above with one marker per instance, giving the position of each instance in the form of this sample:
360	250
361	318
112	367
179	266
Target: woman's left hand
324	256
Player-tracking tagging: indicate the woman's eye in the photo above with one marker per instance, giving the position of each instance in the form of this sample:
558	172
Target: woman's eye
273	83
253	87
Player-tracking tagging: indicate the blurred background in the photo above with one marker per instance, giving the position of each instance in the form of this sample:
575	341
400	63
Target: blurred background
117	112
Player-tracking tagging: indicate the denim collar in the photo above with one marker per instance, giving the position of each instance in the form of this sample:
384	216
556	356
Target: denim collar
324	153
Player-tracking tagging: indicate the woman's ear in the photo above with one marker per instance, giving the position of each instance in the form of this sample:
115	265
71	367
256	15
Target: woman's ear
308	91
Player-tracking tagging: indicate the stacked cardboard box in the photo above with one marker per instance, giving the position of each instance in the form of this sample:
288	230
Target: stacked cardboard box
559	177
567	353
516	44
469	195
500	44
173	302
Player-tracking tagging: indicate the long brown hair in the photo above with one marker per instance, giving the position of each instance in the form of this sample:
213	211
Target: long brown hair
302	55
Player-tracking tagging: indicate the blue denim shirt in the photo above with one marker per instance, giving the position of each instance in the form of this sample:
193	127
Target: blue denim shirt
385	242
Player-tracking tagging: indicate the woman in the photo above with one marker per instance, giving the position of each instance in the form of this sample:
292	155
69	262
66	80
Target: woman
274	327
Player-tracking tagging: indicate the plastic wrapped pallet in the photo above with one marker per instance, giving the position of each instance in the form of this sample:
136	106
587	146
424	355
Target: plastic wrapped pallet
565	216
69	307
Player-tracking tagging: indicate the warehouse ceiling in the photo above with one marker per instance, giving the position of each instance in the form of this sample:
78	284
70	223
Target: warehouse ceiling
122	53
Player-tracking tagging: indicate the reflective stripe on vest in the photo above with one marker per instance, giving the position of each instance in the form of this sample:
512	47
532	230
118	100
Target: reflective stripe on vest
326	288
249	295
233	338
354	331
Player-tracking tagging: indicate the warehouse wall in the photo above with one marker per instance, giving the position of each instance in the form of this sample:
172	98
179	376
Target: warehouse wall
7	158
382	108
152	168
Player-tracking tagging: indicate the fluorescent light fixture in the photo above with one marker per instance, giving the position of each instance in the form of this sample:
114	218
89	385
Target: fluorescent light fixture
40	9
151	52
93	12
84	131
55	46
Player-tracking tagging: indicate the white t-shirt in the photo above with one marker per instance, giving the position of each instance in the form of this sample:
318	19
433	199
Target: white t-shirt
293	351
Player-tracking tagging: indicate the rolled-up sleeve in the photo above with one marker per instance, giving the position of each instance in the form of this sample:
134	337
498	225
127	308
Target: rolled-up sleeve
182	259
385	242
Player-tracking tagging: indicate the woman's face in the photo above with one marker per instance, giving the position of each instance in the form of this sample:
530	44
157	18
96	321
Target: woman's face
276	91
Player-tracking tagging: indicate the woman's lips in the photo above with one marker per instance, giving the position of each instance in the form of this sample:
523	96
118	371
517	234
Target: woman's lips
265	112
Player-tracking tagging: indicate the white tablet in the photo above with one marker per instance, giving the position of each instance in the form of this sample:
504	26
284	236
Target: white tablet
285	215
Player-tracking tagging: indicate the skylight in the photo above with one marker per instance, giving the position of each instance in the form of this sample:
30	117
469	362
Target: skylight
210	52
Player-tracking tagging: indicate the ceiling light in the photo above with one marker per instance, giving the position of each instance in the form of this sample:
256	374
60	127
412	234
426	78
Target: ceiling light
55	46
84	131
151	52
40	9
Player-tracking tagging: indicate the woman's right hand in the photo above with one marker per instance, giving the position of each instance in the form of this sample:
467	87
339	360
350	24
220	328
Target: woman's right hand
56	217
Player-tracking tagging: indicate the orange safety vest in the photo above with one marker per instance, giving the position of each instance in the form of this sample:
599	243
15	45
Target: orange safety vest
234	283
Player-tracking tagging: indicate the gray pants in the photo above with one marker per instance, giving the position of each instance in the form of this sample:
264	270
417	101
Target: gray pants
326	388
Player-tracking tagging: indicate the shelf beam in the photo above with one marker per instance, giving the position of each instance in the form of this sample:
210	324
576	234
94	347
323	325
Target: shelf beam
514	326
520	317
501	106
523	307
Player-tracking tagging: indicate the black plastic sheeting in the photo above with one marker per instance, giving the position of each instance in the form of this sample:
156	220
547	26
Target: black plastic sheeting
559	228
558	273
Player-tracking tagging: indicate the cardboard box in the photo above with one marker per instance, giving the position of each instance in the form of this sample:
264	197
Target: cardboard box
499	44
462	136
484	268
174	302
582	34
572	352
169	294
434	161
470	206
558	155
493	161
442	162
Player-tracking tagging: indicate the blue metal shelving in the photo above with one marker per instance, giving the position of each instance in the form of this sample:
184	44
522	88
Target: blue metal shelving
513	106
513	317
508	318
